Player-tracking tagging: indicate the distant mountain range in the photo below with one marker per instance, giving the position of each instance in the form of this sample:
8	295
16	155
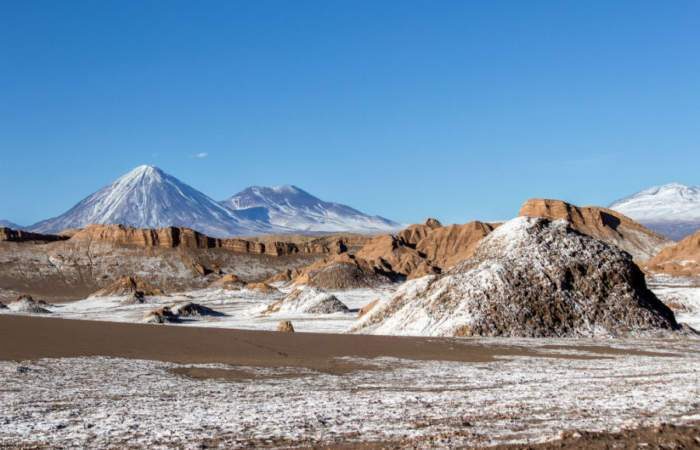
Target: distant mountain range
289	207
147	197
672	210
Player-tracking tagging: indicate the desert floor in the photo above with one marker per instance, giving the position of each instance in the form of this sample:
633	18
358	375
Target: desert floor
71	383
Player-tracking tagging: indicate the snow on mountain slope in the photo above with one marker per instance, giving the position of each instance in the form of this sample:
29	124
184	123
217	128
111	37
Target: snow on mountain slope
8	224
295	209
672	209
147	197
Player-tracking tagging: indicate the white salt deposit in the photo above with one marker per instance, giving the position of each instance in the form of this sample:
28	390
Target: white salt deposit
70	403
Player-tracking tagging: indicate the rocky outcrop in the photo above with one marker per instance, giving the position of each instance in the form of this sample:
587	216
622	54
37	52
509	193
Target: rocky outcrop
229	281
531	277
128	286
176	237
284	276
285	326
396	258
343	271
262	288
26	304
601	223
160	316
11	235
417	251
190	309
413	234
681	259
308	300
446	246
76	268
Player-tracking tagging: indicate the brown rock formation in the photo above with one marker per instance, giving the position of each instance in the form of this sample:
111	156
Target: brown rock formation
343	271
127	286
414	233
185	238
682	259
285	326
601	223
10	235
417	251
446	246
263	288
229	281
282	277
391	255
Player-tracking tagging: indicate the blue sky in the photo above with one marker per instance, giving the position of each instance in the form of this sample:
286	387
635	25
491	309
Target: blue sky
455	109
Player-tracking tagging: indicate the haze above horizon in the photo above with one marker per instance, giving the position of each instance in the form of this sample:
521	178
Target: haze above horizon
407	110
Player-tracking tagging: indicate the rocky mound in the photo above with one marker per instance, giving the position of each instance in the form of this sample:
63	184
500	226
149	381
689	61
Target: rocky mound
682	259
531	277
130	287
262	288
161	315
190	309
308	300
601	223
285	326
284	276
26	304
343	271
229	281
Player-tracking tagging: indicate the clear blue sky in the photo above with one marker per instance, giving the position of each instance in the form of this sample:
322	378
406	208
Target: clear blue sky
454	109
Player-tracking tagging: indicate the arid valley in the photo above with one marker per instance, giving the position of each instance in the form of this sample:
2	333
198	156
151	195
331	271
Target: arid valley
349	225
564	326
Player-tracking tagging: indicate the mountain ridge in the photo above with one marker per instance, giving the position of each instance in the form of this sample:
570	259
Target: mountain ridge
671	209
147	197
289	206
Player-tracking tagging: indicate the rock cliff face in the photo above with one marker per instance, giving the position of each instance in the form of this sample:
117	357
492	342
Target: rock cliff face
682	259
174	237
446	246
531	277
168	258
11	235
604	224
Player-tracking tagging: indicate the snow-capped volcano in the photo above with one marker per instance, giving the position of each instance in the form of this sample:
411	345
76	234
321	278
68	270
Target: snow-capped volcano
672	209
147	197
295	209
